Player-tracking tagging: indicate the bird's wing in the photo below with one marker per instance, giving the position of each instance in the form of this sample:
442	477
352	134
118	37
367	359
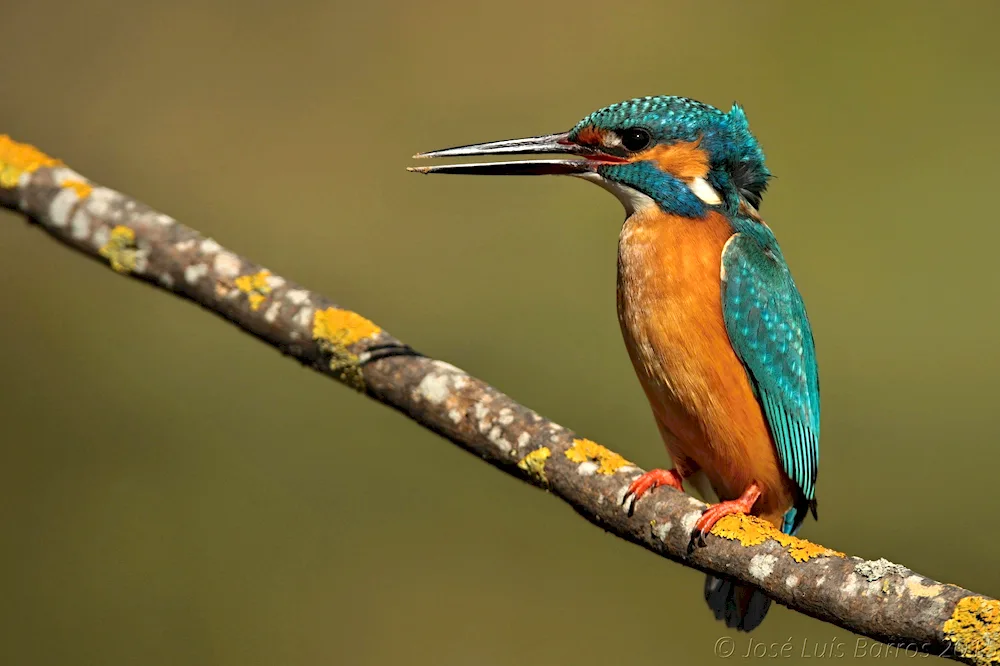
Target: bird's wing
768	328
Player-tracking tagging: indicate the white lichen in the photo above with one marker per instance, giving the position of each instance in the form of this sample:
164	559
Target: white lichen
297	296
792	581
209	246
272	312
433	388
101	236
872	570
662	530
303	317
496	436
99	202
455	416
195	272
523	439
227	265
690	520
80	226
62	175
587	468
762	565
62	204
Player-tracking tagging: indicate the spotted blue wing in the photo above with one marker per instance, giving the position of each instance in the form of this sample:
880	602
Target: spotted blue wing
769	330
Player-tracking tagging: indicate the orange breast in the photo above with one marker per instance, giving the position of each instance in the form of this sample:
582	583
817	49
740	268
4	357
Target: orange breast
670	310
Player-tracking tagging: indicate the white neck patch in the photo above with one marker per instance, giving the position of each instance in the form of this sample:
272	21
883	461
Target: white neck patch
632	199
635	201
704	191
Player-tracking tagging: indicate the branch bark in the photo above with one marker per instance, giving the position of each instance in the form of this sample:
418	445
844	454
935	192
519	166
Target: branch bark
877	599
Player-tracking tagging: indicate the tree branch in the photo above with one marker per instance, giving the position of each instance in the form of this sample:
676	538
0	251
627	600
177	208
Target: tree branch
879	599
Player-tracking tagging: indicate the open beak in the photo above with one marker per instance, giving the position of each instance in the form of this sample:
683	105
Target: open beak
587	161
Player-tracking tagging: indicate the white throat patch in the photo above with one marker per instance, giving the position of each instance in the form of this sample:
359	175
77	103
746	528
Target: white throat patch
633	200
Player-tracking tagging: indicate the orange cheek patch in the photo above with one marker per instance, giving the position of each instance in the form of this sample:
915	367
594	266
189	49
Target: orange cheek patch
590	136
684	160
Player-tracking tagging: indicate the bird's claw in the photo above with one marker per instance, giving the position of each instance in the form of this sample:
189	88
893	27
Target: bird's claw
717	512
648	481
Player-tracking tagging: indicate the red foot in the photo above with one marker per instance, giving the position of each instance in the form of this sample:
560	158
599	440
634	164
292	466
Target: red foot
716	512
650	480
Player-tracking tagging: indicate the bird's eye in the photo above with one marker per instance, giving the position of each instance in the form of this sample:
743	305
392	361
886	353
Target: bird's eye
635	139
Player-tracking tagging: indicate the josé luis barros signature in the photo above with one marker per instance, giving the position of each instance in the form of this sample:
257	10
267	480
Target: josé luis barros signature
806	648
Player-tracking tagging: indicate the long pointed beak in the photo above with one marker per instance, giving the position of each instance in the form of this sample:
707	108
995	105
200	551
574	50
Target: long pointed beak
549	143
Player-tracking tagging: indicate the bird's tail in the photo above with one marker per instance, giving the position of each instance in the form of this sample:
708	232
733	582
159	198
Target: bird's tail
738	606
741	607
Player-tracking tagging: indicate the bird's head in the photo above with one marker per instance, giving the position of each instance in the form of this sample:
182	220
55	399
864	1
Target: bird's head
672	152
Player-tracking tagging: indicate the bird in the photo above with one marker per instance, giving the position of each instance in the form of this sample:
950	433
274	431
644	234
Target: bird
713	322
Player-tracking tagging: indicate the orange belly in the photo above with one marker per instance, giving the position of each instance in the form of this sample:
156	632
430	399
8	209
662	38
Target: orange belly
670	310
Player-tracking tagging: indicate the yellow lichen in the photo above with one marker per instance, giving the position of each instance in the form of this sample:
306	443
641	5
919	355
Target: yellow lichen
802	550
534	463
17	158
255	286
584	450
120	250
333	330
81	188
342	326
749	531
974	628
752	531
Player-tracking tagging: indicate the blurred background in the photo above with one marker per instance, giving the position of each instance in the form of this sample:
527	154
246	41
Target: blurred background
154	514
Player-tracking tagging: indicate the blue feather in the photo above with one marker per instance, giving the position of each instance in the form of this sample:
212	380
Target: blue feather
769	330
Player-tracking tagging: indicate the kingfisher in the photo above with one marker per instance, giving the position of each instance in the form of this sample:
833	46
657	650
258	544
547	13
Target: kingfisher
714	324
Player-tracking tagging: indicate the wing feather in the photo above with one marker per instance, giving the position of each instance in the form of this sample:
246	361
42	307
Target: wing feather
769	330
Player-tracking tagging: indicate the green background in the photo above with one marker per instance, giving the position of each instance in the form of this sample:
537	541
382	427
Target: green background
174	492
